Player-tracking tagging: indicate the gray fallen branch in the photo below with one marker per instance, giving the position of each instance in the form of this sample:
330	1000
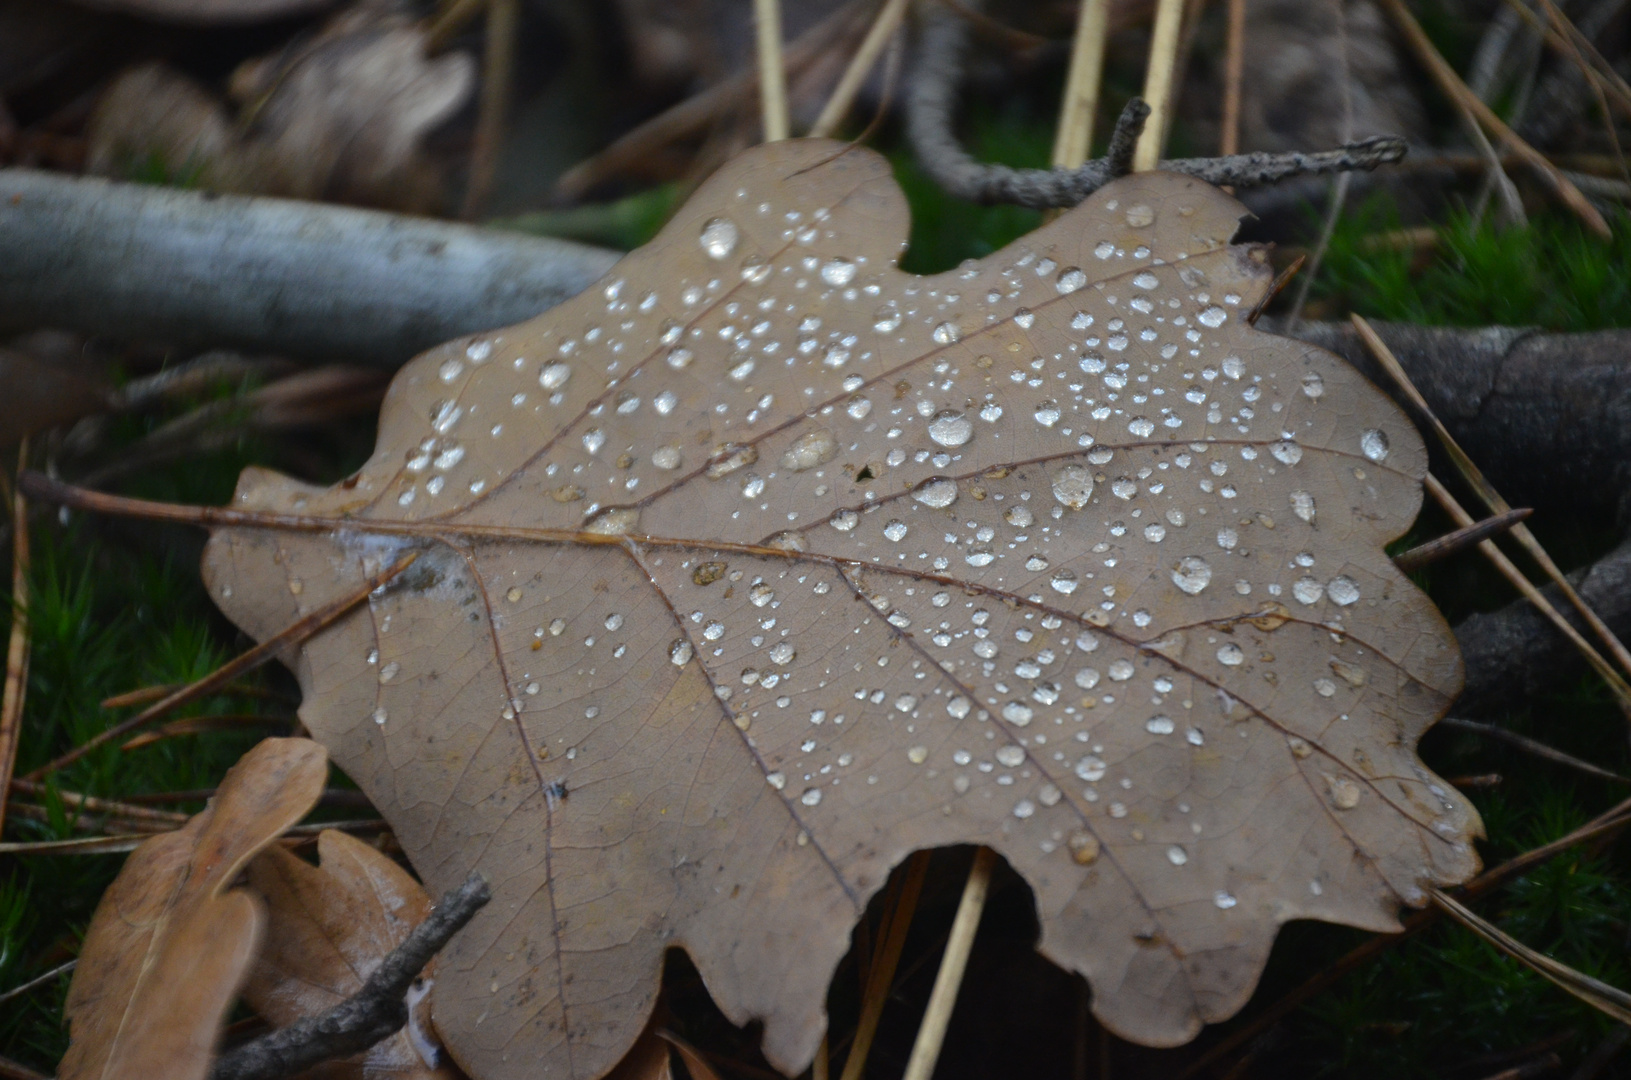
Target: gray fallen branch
299	279
375	1012
931	106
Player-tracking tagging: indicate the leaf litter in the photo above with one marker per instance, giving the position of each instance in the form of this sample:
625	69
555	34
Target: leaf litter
761	565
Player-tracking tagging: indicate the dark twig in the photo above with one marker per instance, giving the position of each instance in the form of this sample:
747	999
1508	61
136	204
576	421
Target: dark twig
1452	542
931	104
1532	746
375	1012
1118	158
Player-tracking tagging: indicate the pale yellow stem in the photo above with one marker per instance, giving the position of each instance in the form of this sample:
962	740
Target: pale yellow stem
767	17
1159	83
1074	139
849	84
931	1033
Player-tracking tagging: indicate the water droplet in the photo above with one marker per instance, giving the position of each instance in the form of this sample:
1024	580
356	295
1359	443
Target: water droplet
1011	756
1342	590
719	237
811	796
1374	443
1024	809
845	520
1287	453
554	376
613	521
1084	848
593	440
1140	215
444	415
858	408
958	707
1177	856
1231	655
1302	504
946	334
755	271
1019	517
887	320
1344	793
451	369
1087	678
990	412
838	271
729	458
1073	486
1070	279
809	450
666	457
1313	385
1064	582
1192	574
1047	414
389	671
513	596
680	358
1155	533
1224	900
783	653
379	715
895	530
679	652
1120	670
1213	316
713	631
1141	426
917	755
1017	713
1159	725
938	492
1307	590
1024	318
776	780
950	428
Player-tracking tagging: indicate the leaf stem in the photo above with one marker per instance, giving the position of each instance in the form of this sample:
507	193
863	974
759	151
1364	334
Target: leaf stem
931	1034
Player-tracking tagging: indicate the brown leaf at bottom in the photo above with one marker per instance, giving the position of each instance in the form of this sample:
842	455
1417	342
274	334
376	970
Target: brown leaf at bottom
171	940
328	928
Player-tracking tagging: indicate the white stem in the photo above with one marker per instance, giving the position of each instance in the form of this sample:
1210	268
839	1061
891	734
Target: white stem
943	998
772	75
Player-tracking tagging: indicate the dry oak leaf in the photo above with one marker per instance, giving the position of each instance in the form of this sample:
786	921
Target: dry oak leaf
328	928
761	564
171	940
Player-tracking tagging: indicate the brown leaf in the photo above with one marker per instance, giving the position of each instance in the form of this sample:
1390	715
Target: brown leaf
761	564
328	928
171	940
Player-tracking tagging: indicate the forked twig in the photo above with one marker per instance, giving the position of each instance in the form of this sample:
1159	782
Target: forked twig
767	21
1452	542
931	104
931	1033
293	634
842	98
375	1012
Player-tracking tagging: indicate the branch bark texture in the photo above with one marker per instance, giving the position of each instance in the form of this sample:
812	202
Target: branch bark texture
301	279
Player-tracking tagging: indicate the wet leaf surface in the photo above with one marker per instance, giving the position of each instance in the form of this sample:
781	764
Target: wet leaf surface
328	927
761	564
171	939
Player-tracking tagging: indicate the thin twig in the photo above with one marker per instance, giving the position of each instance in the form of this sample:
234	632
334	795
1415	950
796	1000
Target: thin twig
1532	746
1339	190
1452	542
1124	140
289	636
93	805
1452	86
497	82
17	653
1234	70
1510	571
882	974
375	1012
931	105
931	1033
38	980
1159	82
1486	491
1073	141
861	64
767	20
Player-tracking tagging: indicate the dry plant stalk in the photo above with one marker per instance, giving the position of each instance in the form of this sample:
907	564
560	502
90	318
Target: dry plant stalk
1491	498
767	21
1459	93
1234	71
860	66
881	976
1074	139
1452	542
931	1033
17	651
1160	83
1510	571
497	83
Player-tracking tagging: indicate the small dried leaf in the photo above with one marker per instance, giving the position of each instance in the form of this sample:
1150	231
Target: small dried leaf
170	940
328	928
1053	552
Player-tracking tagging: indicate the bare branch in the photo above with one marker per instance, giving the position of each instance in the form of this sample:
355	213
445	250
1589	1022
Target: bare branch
375	1012
931	105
